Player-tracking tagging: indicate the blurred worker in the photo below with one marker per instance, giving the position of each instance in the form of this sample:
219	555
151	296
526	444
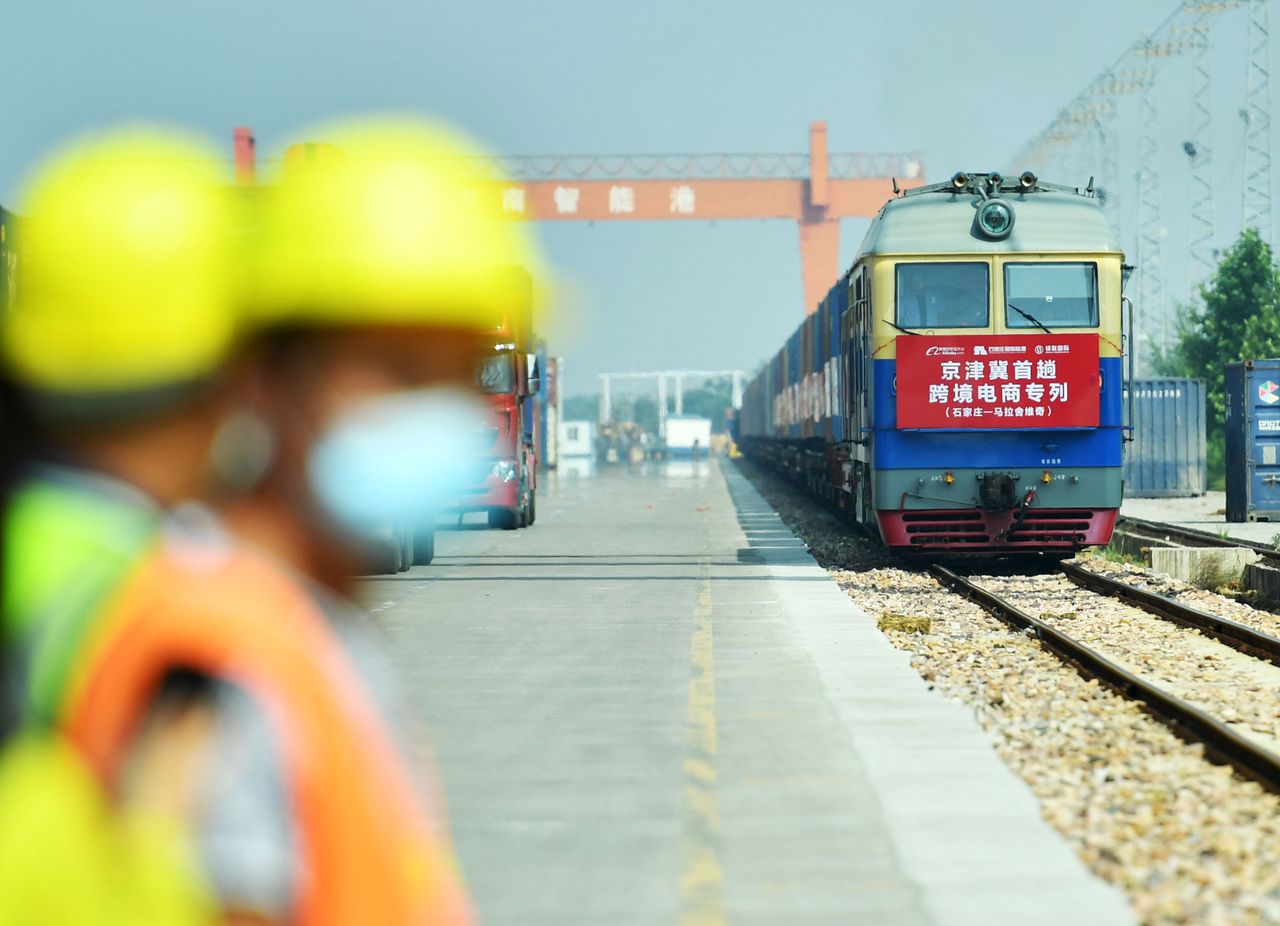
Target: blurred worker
112	354
114	351
379	286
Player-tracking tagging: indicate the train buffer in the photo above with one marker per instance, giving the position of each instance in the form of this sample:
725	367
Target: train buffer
655	707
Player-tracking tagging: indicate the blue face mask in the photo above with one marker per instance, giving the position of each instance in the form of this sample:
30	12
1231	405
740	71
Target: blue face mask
398	459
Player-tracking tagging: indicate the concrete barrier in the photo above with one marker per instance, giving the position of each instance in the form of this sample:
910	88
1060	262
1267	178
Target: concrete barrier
1198	565
1263	579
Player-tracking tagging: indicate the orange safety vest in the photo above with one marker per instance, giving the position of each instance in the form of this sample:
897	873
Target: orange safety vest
369	853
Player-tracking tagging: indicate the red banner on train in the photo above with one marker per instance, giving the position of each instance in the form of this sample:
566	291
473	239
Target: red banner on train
998	381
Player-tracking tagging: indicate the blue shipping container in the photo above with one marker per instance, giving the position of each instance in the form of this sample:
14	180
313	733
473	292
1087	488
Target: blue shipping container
1166	458
1253	440
839	304
795	371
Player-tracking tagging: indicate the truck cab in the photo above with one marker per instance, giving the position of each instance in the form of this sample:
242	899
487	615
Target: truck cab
504	485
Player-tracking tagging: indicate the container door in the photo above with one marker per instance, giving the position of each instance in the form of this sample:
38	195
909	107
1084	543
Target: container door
1236	443
822	350
1263	403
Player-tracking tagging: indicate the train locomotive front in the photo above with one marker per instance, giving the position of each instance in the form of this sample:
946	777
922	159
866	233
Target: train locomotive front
960	388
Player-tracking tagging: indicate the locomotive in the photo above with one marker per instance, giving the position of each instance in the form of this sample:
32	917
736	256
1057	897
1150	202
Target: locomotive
959	388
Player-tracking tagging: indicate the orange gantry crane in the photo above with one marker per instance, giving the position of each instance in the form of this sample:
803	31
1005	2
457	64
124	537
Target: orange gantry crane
816	190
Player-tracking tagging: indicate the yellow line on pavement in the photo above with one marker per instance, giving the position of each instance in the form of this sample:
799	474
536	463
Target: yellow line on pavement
701	876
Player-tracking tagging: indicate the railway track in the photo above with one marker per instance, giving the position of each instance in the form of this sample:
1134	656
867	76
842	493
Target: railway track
1184	718
1232	633
1190	537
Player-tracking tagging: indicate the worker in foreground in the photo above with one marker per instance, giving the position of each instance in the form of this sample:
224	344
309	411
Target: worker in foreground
114	385
377	291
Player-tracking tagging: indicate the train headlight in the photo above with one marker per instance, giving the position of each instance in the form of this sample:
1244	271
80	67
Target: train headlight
995	219
1046	477
949	478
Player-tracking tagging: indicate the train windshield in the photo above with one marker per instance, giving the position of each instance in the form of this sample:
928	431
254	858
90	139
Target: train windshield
497	374
944	295
1057	295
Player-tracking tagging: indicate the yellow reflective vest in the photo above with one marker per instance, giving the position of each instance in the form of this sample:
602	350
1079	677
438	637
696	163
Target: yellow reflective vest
67	858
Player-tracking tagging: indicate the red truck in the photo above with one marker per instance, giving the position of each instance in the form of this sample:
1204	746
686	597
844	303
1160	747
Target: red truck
505	485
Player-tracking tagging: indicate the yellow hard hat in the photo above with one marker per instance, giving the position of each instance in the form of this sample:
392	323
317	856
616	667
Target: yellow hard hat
387	223
127	283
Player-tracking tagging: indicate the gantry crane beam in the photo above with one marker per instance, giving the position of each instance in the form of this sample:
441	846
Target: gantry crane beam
626	199
815	190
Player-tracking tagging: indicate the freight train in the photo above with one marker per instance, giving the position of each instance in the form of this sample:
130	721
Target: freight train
960	388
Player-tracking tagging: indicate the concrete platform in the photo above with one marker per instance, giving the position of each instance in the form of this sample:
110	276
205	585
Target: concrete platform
1203	512
654	707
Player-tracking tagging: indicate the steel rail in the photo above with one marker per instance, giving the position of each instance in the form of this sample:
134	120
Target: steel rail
1184	719
1236	635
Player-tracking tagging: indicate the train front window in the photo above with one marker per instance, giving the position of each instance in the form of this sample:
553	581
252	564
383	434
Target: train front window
1057	295
497	374
944	295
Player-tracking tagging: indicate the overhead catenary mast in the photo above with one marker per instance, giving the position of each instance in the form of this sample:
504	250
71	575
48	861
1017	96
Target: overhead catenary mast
1151	304
1256	200
1091	125
1202	215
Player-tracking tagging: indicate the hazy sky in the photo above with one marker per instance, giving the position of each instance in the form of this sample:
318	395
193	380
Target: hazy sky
965	84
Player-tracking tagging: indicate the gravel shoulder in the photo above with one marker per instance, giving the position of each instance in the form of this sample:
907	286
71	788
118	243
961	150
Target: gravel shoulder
1189	841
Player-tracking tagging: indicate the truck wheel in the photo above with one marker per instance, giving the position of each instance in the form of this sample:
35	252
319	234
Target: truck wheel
405	551
382	558
424	547
532	510
503	518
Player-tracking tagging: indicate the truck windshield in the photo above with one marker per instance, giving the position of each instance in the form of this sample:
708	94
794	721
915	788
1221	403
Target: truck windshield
1058	295
944	295
497	374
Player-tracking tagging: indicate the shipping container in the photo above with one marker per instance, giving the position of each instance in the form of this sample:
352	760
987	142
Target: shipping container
805	383
745	420
794	371
839	303
1166	458
773	424
688	436
577	439
1253	440
822	412
549	397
